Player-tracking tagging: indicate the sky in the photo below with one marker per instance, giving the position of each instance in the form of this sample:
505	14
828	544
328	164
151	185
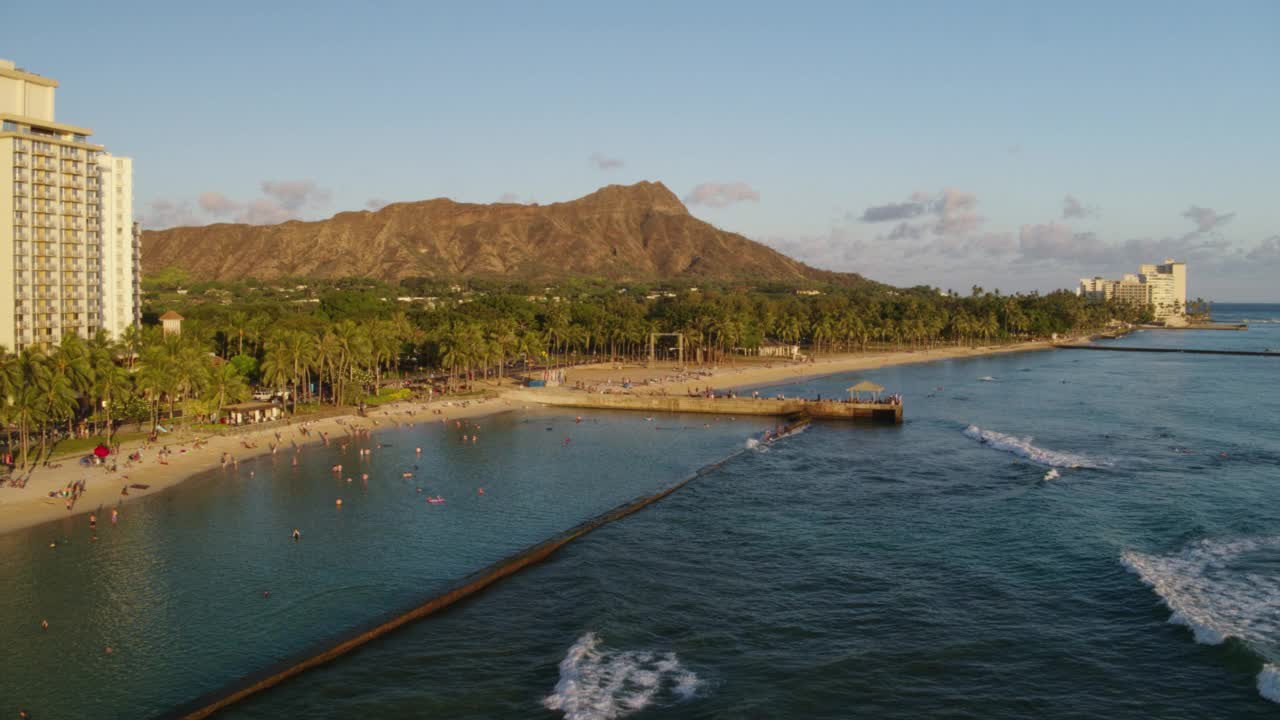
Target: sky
1017	146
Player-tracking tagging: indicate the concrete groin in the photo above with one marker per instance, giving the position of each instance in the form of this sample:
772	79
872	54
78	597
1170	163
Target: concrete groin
1188	351
213	702
799	407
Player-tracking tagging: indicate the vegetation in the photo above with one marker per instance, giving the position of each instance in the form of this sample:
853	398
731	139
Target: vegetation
334	343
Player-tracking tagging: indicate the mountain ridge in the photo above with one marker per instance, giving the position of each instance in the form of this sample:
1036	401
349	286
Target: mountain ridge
639	232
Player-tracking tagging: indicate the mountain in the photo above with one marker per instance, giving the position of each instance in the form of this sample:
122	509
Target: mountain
628	233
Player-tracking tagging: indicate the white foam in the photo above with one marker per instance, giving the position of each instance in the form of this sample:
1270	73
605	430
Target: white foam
988	378
752	443
1052	474
1206	592
1269	682
598	684
1022	447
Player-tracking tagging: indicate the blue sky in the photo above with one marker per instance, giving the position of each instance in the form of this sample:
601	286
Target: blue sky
1011	145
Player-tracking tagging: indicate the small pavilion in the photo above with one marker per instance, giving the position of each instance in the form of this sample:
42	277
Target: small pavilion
866	386
171	323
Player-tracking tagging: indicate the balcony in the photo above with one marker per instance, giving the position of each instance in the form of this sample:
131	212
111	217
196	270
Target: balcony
72	209
20	160
20	233
20	190
21	175
19	218
42	148
71	153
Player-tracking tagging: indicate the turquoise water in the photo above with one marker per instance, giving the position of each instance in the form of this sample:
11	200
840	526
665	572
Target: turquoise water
1081	534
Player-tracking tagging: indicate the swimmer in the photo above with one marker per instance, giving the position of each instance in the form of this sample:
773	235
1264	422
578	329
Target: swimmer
364	476
338	502
419	451
109	650
44	624
348	479
578	419
297	535
266	594
479	491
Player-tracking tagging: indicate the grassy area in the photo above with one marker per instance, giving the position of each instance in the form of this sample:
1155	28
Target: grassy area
388	395
84	446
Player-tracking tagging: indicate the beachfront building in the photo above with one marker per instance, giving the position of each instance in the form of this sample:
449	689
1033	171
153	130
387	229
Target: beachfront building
1162	286
52	239
121	246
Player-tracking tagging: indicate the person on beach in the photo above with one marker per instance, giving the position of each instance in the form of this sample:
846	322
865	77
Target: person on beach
115	516
93	521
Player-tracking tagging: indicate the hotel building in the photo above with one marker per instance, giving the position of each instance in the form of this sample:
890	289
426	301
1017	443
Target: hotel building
1163	287
69	262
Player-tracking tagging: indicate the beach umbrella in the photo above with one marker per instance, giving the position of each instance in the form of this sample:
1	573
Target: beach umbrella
102	451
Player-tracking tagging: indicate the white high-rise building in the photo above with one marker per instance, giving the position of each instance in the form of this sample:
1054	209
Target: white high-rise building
52	229
121	249
1163	287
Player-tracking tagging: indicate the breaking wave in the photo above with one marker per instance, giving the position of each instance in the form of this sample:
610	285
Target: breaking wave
598	684
1022	447
1218	590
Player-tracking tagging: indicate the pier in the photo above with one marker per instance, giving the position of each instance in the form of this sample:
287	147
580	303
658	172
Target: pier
878	412
1187	351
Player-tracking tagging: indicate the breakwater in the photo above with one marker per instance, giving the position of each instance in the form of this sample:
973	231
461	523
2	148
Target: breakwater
1189	351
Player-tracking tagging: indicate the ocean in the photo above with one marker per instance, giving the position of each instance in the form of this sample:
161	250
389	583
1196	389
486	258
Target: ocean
1057	534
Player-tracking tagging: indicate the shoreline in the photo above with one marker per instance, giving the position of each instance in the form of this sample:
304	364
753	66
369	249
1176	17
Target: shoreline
22	508
769	375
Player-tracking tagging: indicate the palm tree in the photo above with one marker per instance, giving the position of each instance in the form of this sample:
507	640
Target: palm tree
276	365
328	358
237	324
109	382
70	360
56	400
226	385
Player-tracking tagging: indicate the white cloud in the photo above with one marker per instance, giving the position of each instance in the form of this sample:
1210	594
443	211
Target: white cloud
604	162
721	194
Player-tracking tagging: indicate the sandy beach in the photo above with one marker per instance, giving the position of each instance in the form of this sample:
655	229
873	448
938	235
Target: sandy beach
31	505
752	371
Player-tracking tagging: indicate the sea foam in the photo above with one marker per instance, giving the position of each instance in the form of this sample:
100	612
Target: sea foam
1269	682
1022	447
1209	587
597	684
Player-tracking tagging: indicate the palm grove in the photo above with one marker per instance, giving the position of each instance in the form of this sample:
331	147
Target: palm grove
339	346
